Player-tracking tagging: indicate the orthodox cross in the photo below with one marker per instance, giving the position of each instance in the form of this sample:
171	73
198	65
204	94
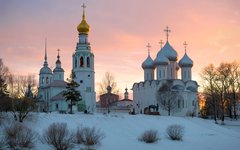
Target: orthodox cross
185	46
83	6
167	30
148	46
161	43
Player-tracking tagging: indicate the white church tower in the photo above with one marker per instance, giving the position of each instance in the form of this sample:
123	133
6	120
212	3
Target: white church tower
148	66
83	65
186	64
45	75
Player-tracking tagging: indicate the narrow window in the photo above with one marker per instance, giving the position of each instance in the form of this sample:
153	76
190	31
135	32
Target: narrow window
163	73
56	106
47	80
81	62
147	76
160	75
178	103
75	63
42	80
182	103
171	73
88	62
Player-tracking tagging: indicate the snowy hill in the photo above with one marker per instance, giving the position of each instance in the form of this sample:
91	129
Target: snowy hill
122	131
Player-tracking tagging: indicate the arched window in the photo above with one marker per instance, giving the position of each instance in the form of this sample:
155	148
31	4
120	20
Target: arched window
47	80
81	62
42	80
88	62
75	63
179	104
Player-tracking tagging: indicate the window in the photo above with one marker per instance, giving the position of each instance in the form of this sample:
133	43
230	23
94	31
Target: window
75	64
81	62
147	76
47	80
171	73
193	103
42	80
88	62
184	76
182	103
160	75
56	106
178	103
163	74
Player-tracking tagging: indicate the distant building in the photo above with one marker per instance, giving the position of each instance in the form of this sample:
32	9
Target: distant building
161	71
107	99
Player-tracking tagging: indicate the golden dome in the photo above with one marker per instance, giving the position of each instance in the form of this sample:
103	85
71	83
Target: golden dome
83	27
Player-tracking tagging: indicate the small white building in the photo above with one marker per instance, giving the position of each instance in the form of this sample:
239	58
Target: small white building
161	72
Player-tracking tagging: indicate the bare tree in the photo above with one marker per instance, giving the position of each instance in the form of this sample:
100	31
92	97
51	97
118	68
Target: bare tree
18	85
168	98
108	80
4	72
208	76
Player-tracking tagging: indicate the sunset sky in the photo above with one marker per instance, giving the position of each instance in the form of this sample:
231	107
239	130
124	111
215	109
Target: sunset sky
120	31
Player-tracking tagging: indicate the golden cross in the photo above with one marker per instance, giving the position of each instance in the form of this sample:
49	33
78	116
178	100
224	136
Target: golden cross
167	30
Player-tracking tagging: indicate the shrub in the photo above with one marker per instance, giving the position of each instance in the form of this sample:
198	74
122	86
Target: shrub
175	132
2	143
149	136
59	136
89	136
19	136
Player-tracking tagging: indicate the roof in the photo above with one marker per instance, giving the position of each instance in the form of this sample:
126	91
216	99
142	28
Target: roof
186	61
45	70
148	63
59	96
169	52
58	83
161	59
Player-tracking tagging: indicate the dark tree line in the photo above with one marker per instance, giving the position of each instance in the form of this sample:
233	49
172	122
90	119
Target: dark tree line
221	86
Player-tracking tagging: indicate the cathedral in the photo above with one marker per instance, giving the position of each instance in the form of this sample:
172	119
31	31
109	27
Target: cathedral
52	84
162	91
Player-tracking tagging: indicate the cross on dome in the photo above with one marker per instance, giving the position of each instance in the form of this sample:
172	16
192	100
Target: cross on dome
58	53
161	43
148	46
185	46
167	30
83	6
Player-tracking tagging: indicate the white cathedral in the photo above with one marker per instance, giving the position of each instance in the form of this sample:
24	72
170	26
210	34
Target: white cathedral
52	84
161	71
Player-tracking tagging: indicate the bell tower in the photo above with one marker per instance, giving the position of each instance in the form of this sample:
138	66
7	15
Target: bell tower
83	65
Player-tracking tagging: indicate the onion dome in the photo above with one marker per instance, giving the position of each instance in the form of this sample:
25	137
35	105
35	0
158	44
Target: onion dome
83	27
169	52
161	59
45	70
186	61
148	63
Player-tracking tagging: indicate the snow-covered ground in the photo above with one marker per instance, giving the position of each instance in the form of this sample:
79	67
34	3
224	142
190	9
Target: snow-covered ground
122	131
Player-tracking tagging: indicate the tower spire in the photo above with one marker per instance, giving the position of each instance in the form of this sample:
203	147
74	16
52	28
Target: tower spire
185	46
45	55
161	43
167	30
148	46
